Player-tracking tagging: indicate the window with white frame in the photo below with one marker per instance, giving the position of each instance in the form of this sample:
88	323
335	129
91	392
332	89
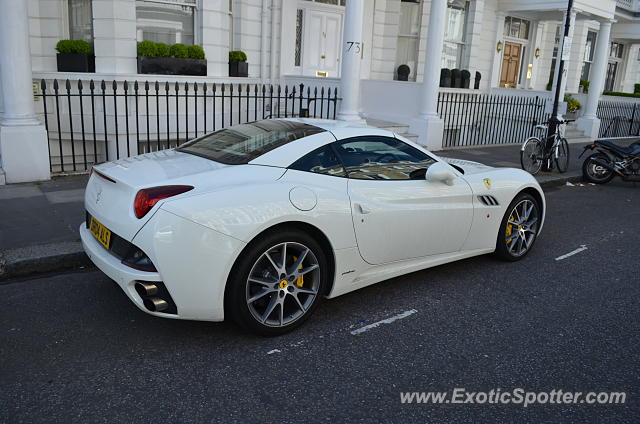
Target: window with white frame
454	35
554	57
166	21
334	2
589	48
297	59
516	28
408	37
230	13
80	20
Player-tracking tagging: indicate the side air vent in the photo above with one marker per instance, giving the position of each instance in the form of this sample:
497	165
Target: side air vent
488	200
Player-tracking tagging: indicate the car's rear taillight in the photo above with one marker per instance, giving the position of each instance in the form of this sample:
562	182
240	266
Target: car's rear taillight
148	197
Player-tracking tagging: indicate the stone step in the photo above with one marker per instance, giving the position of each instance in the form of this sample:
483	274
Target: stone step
389	126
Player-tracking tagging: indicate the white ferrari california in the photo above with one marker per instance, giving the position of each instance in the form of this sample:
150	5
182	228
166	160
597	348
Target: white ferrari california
261	221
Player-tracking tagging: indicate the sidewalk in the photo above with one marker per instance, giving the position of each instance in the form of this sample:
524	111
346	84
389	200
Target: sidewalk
39	221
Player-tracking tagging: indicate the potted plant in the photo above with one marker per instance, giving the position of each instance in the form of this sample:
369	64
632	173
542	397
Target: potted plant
238	66
466	78
403	73
178	59
584	85
75	56
445	77
456	78
573	106
476	83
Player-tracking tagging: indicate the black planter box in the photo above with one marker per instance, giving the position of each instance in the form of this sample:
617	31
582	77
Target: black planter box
445	82
76	62
171	66
238	69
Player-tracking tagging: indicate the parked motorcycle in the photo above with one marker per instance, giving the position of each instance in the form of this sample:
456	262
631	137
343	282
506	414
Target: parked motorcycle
610	160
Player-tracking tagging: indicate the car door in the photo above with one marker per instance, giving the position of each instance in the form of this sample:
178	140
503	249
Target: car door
397	214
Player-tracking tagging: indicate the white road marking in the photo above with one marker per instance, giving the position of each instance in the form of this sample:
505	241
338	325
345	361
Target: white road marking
573	252
384	321
273	351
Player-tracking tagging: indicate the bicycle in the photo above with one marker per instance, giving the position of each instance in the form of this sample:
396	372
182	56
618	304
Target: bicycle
534	152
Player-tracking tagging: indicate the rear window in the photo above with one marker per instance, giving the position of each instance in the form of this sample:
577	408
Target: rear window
242	143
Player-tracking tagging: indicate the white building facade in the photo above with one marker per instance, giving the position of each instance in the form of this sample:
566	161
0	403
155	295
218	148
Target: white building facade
508	46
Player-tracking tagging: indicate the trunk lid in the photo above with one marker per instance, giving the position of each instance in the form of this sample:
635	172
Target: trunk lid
110	199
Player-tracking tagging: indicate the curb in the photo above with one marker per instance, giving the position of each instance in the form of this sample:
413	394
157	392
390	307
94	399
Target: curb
65	256
554	180
40	259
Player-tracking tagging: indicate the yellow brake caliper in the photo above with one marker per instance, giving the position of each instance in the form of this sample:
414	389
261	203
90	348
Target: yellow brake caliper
300	279
509	229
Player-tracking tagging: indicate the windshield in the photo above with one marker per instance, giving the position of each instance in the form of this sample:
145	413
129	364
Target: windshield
242	143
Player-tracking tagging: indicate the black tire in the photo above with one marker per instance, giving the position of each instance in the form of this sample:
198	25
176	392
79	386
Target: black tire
531	155
239	288
562	156
504	248
595	173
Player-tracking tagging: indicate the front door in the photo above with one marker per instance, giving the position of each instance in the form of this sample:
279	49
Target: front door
322	41
397	214
510	65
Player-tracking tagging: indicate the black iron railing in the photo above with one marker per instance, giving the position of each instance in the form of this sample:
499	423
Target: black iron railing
93	121
479	119
618	119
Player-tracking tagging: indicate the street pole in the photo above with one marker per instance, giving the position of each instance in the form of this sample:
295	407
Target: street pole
554	121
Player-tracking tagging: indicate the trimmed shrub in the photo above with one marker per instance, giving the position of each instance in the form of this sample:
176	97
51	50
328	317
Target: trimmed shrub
617	93
74	46
163	50
179	50
445	73
195	52
237	56
636	88
147	48
465	74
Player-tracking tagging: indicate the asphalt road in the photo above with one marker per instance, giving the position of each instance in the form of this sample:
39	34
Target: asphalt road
74	349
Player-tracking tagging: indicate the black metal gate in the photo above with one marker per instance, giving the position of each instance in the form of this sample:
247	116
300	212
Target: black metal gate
90	122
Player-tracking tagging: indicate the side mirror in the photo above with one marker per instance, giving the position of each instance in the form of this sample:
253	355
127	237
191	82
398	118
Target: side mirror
439	172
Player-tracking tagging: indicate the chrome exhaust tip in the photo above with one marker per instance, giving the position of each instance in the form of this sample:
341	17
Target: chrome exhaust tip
146	289
155	304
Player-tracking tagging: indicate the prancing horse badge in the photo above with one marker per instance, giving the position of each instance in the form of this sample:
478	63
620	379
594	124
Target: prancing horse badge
487	183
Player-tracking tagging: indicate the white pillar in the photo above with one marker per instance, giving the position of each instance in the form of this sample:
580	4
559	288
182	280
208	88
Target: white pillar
589	122
494	77
24	154
115	36
351	57
427	125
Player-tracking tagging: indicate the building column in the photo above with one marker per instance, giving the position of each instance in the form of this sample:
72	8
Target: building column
24	155
351	57
496	64
561	48
115	36
427	125
589	122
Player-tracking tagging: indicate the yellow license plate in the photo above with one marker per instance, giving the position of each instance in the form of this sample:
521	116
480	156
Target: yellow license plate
100	232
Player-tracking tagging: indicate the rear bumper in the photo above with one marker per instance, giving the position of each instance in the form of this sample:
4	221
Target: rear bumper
192	261
123	275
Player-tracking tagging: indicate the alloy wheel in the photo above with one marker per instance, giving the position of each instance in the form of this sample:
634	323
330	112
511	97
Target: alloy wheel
283	284
522	227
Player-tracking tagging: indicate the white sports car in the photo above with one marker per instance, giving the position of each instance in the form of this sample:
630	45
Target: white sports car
261	221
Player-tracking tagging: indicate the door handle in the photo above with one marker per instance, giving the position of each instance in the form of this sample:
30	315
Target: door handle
363	209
